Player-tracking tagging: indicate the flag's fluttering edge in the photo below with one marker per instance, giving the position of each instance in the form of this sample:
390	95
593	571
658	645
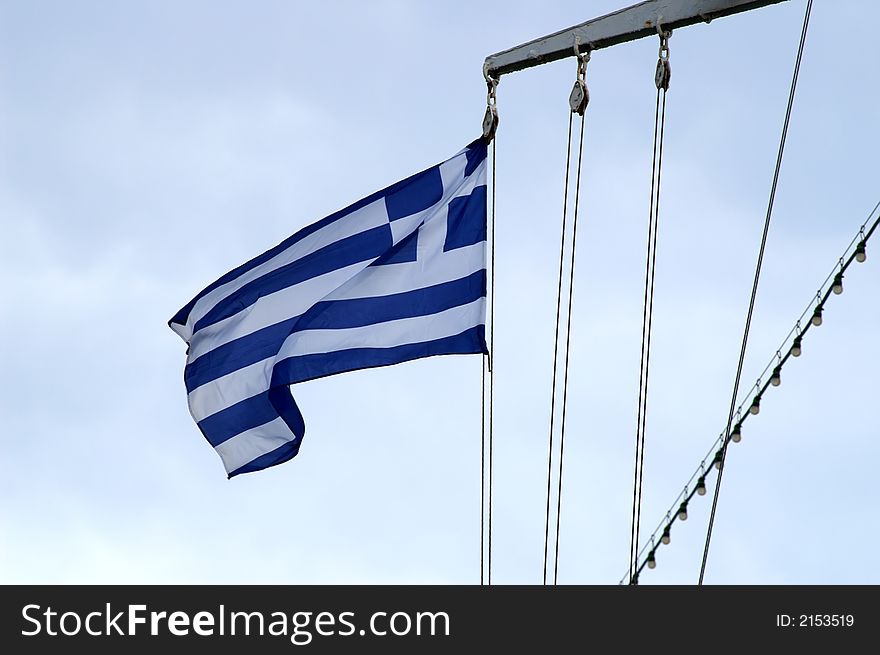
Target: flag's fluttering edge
396	276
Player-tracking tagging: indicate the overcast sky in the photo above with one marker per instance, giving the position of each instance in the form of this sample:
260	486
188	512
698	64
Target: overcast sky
148	147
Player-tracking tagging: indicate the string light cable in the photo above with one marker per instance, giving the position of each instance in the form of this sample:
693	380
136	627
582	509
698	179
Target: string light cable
750	401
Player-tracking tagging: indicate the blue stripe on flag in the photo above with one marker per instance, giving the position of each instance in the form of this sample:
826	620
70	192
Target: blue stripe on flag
310	367
366	245
476	152
404	252
423	190
257	410
473	157
358	312
466	220
243	415
241	352
183	314
286	406
333	314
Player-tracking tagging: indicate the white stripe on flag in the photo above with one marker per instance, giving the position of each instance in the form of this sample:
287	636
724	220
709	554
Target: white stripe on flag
388	334
270	309
409	276
248	445
371	282
251	380
231	388
360	220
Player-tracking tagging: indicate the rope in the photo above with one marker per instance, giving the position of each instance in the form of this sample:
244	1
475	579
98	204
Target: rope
745	338
661	79
556	345
491	357
490	126
577	190
482	471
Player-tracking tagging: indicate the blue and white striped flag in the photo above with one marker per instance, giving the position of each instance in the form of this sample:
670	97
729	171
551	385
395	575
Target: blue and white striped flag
396	276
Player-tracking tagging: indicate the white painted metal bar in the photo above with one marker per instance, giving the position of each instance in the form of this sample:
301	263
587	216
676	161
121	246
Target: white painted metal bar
628	24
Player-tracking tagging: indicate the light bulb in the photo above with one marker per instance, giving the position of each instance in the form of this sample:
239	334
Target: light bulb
667	537
837	285
861	256
735	436
817	316
776	377
756	406
796	347
652	561
701	486
717	460
683	512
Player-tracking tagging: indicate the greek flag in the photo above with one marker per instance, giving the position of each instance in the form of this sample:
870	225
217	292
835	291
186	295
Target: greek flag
396	276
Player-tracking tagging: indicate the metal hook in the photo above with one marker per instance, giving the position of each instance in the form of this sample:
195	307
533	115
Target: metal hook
489	79
491	83
580	94
663	73
664	35
582	57
490	119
